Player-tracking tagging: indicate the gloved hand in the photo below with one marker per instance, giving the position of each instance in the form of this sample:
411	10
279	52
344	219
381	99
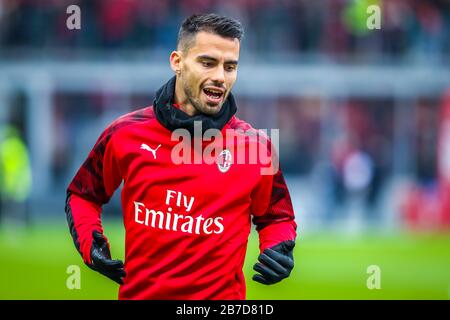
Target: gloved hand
101	259
275	264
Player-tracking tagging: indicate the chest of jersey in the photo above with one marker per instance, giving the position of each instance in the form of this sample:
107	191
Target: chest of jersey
188	185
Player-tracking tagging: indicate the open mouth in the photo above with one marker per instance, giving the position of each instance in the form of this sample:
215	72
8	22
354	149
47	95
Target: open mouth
213	95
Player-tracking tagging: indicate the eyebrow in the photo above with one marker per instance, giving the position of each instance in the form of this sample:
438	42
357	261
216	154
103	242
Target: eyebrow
206	57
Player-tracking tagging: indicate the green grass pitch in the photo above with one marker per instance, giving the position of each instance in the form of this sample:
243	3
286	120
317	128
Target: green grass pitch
34	265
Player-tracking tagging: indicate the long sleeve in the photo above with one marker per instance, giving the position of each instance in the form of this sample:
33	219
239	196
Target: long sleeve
92	187
273	213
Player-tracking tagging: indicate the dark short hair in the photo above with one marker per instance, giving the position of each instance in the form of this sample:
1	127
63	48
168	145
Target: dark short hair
213	23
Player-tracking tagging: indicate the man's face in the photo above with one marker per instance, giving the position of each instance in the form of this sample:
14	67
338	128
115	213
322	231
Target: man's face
208	71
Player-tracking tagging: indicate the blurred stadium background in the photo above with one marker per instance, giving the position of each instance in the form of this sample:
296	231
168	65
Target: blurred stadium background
364	118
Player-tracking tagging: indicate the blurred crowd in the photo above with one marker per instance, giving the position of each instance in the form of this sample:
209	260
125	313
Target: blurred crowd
330	29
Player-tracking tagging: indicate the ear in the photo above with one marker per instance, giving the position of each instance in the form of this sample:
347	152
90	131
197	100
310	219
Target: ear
175	61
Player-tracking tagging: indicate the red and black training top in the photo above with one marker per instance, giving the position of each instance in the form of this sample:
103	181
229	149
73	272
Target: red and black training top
186	225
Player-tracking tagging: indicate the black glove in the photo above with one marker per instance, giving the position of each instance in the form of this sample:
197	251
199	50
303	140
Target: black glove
101	259
276	263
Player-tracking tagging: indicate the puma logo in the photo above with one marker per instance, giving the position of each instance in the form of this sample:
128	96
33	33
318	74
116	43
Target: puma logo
147	148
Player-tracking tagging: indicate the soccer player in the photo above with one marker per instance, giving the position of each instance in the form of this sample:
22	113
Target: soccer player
187	223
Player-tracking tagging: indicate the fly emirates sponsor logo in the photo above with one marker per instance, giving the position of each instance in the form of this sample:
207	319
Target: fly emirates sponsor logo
171	221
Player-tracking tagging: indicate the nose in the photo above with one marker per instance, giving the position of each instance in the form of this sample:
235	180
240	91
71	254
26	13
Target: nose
218	75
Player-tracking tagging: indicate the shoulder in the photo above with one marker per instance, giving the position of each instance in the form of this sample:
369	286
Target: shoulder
238	124
267	145
127	120
243	127
135	117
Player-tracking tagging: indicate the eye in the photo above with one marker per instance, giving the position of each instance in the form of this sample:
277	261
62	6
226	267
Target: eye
207	64
230	67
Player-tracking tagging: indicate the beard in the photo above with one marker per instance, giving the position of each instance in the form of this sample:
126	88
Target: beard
198	104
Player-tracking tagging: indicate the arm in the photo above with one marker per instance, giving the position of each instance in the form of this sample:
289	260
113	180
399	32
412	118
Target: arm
91	188
275	222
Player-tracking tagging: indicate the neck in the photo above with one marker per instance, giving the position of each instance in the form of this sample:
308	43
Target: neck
182	100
